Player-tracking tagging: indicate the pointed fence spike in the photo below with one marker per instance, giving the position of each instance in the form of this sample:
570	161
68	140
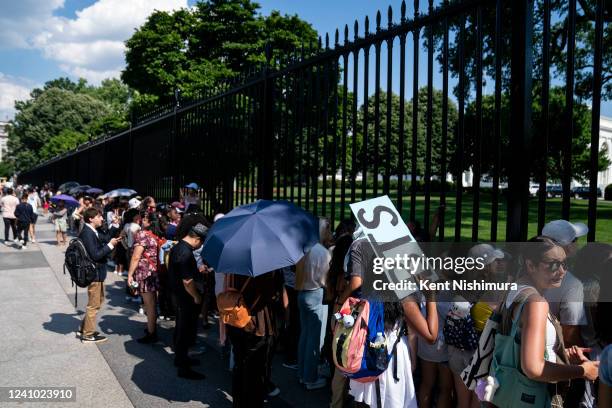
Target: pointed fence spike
356	28
367	26
378	18
403	11
390	16
346	33
337	38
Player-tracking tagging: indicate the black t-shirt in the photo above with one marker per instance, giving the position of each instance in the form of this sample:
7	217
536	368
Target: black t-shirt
182	265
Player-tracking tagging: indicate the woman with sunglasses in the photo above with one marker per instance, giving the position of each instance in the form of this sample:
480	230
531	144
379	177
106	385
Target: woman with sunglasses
543	357
148	205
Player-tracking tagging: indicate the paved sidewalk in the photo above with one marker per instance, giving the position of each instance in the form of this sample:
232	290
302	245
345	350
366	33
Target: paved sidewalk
124	372
38	345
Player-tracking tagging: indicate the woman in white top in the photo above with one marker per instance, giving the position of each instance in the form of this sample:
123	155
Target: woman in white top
543	268
34	201
400	393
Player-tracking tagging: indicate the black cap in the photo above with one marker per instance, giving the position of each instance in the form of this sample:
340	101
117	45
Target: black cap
200	230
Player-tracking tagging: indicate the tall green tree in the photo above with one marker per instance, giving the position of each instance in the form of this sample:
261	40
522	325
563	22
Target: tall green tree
583	56
193	49
63	114
554	152
66	140
394	137
46	115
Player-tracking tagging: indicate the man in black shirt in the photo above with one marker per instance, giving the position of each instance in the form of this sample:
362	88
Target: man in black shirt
183	271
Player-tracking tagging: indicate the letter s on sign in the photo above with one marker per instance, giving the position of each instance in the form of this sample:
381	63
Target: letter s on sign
376	220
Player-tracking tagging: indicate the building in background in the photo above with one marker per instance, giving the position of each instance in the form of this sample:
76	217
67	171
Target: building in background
605	143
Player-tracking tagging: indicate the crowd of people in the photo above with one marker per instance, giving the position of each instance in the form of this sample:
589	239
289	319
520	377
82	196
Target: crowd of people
561	349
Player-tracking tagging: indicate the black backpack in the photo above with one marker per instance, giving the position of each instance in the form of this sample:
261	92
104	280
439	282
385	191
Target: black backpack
81	268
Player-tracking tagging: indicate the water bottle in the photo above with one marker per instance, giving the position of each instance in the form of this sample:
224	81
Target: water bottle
380	340
380	349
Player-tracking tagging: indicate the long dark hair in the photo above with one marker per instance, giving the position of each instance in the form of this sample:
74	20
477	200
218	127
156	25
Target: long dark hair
154	225
336	265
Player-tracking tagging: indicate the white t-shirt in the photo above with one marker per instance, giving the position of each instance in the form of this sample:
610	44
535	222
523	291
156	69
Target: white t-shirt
311	272
9	203
34	201
566	301
400	394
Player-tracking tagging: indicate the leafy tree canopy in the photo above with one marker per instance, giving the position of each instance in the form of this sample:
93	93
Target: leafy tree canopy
192	49
62	115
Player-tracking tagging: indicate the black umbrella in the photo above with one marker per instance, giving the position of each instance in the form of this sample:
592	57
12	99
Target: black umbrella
64	188
79	189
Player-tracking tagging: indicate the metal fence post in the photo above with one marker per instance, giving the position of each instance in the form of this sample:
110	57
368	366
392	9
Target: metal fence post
266	181
172	147
520	120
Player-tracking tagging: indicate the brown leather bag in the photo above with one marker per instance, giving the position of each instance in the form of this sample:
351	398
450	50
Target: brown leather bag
232	308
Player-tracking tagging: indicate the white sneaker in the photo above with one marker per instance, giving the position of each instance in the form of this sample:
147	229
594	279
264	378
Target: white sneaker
33	240
141	310
16	240
318	384
24	247
22	241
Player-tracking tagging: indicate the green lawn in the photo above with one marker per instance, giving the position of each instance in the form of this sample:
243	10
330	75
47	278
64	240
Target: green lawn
578	212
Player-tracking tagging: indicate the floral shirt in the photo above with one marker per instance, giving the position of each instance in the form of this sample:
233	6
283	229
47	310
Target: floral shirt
147	265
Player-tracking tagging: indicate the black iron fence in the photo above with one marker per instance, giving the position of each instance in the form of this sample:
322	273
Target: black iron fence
402	108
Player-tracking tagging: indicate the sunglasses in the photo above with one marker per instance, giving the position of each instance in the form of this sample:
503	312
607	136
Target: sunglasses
553	266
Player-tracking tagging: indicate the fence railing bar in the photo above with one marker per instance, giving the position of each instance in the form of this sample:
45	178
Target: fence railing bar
595	112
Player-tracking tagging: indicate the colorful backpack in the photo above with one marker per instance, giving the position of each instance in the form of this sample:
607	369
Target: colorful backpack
349	339
360	349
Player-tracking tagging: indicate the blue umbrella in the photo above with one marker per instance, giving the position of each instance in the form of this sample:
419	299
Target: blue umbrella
260	237
68	200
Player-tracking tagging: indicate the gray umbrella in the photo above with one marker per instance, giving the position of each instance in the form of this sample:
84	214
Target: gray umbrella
121	192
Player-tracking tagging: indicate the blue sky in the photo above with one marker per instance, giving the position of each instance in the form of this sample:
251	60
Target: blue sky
40	41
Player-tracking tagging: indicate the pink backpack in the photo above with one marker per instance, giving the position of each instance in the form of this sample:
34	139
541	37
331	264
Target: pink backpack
348	345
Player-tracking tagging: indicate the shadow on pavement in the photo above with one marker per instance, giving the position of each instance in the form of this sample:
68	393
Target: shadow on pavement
63	323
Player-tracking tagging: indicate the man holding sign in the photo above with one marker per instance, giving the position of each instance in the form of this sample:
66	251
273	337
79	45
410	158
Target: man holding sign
384	236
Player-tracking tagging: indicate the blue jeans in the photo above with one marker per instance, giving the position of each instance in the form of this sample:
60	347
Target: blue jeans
313	319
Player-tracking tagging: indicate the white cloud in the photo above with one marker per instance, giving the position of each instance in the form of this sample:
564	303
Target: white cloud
12	89
93	76
21	20
90	45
